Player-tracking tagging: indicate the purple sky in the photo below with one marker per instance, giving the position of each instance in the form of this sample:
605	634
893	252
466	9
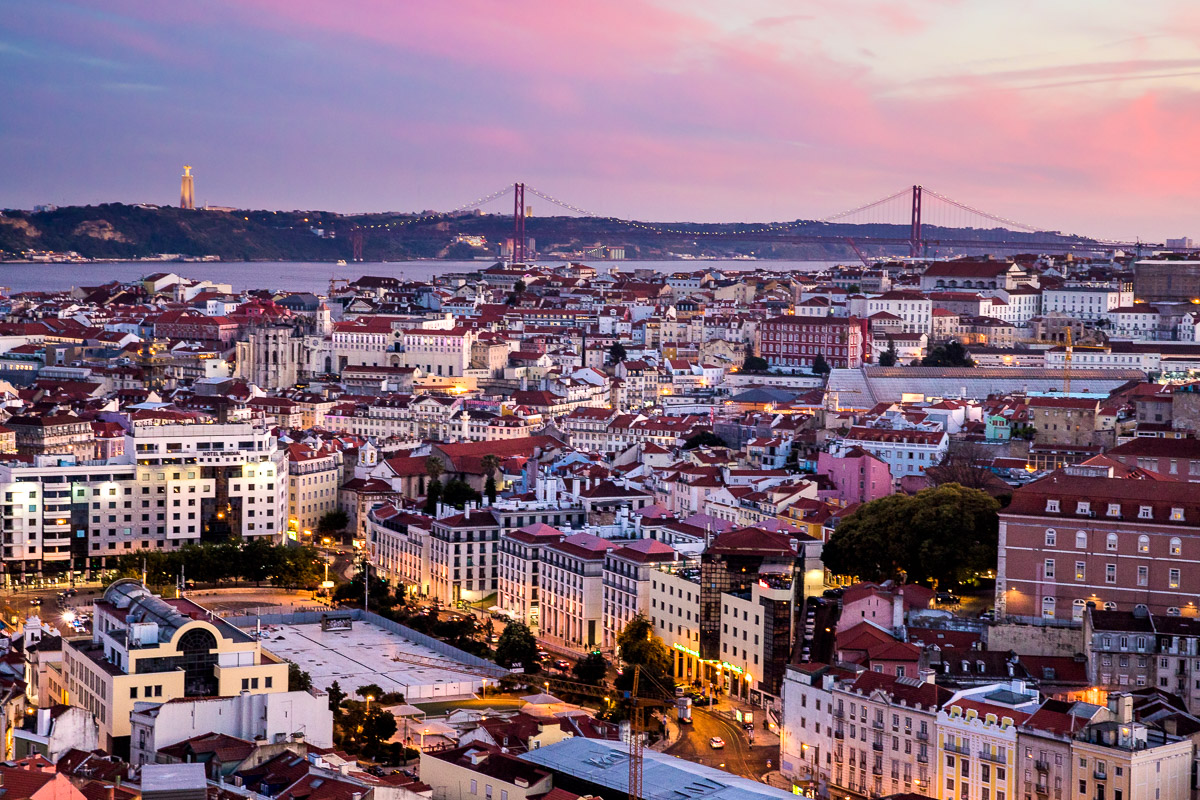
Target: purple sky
1080	117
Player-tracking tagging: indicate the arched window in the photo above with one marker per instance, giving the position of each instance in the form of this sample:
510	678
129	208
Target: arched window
1176	546
1111	541
1048	607
1143	544
1081	540
1051	537
197	650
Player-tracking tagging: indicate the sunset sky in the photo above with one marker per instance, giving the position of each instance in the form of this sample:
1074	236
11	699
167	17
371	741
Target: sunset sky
1076	115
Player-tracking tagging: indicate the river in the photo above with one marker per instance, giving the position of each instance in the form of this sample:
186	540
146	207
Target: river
308	276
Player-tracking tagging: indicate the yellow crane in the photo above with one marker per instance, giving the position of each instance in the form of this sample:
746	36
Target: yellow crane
1067	364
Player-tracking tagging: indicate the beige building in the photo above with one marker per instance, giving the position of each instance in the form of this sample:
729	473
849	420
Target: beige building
150	649
1120	759
314	476
572	591
270	356
479	772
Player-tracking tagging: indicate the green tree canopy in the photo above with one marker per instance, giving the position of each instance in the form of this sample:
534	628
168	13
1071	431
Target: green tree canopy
949	354
888	357
458	493
947	533
639	646
821	366
298	679
333	521
517	645
592	669
704	439
616	353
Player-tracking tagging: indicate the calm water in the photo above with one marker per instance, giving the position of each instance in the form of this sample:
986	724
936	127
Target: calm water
313	277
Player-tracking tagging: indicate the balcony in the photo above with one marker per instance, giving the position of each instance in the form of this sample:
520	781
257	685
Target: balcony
839	734
962	750
877	724
877	746
1041	789
988	755
922	758
877	768
839	713
923	736
1100	775
1041	766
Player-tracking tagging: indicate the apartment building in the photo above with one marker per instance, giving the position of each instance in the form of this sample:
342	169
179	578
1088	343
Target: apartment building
572	591
400	547
977	740
146	648
806	729
313	475
1120	758
905	452
884	737
464	559
628	571
1069	539
1089	303
797	341
1132	650
914	309
522	555
444	353
53	434
675	613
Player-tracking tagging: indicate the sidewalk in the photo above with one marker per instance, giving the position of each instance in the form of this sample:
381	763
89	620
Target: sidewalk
674	732
763	737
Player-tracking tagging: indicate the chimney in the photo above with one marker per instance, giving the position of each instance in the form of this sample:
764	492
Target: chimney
927	675
1124	708
898	611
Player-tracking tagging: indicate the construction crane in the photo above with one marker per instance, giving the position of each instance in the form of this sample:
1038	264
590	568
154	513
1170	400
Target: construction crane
636	764
1067	364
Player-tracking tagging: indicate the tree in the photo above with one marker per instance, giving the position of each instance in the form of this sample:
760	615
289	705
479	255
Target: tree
821	366
703	439
257	560
754	363
518	646
333	522
888	357
434	467
377	727
458	493
965	463
298	679
949	354
490	464
336	696
616	353
592	669
945	533
372	690
640	647
519	287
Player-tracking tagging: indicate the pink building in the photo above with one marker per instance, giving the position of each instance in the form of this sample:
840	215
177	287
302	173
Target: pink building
859	476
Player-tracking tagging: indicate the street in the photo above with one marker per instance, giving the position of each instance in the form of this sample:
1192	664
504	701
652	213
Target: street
737	757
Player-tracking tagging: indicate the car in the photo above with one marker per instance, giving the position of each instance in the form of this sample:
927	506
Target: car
716	743
562	664
947	598
832	594
36	601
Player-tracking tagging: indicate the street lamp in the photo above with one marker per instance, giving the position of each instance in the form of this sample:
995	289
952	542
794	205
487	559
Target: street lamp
370	697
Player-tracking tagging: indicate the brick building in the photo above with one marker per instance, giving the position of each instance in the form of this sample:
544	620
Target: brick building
797	341
1067	540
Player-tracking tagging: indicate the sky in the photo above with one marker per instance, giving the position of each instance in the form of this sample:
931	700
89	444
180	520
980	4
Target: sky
1075	115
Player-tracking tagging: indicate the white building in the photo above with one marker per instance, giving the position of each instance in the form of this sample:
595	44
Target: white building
628	572
522	555
914	308
572	591
1090	303
278	717
314	476
906	452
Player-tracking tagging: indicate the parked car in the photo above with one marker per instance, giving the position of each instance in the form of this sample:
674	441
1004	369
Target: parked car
716	743
948	598
832	594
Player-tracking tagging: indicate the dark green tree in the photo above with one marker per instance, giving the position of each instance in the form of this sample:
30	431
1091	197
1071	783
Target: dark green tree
888	357
298	679
592	669
754	363
949	354
703	439
517	645
370	690
458	493
490	464
820	365
947	533
434	468
336	696
616	353
639	646
333	522
377	727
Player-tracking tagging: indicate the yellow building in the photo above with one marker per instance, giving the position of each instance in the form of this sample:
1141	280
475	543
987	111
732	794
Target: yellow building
1120	759
150	649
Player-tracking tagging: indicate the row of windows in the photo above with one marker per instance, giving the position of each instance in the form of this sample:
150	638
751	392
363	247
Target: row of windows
1054	506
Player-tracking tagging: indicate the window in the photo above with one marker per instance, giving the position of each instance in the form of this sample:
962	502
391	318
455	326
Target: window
1143	544
1048	568
474	786
1176	546
1114	509
1173	579
1081	540
1145	512
1052	506
1177	515
1051	537
1110	573
1111	542
1048	607
1081	570
1083	507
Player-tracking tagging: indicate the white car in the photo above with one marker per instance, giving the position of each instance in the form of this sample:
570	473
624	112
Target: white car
716	743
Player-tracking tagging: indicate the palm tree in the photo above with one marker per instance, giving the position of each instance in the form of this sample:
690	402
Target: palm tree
491	463
434	467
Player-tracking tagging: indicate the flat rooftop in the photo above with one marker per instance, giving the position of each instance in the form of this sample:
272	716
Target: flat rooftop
368	654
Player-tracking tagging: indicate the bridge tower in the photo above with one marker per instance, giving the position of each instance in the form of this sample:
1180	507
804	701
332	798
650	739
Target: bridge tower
518	248
356	244
915	242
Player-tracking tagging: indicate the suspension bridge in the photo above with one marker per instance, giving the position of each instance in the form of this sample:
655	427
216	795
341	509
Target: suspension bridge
917	219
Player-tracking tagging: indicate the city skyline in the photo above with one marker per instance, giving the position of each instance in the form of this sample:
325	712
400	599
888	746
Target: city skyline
641	110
